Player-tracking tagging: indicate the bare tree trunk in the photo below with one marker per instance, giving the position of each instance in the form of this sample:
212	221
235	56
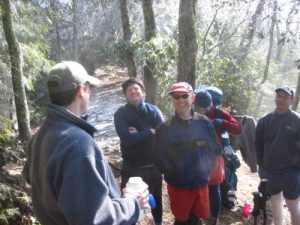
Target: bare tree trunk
208	30
127	34
58	42
282	37
187	44
280	43
52	15
75	31
297	95
266	71
273	21
16	71
249	34
149	68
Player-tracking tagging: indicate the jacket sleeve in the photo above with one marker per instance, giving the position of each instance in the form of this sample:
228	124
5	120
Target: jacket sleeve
215	146
127	138
159	118
161	159
259	142
231	124
87	194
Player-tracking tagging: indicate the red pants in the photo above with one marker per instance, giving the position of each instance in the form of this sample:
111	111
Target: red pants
184	202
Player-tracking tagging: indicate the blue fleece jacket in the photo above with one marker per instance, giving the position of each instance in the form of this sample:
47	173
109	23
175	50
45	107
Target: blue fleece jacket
136	147
185	151
70	179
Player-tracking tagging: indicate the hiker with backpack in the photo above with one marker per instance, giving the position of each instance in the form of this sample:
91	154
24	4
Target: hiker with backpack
208	102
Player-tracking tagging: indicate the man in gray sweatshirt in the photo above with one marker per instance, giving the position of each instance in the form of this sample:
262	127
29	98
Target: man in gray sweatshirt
278	155
70	179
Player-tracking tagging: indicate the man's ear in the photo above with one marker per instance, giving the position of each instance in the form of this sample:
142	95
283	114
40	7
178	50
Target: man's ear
80	91
193	97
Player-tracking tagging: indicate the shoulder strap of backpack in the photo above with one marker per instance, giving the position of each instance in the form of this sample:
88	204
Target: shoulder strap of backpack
219	114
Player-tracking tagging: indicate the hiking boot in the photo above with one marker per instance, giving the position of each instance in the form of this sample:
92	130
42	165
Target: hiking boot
231	199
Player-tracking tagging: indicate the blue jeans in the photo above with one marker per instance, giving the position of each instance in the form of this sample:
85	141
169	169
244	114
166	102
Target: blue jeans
215	200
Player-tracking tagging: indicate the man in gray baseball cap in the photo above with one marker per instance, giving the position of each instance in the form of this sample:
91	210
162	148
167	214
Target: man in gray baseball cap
278	155
68	75
65	166
285	89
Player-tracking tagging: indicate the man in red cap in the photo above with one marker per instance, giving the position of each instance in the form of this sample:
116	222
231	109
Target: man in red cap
185	151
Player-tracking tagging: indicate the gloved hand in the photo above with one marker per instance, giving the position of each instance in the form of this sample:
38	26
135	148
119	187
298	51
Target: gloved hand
217	123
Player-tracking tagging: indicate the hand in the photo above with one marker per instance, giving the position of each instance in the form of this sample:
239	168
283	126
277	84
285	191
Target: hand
217	123
142	198
132	130
152	131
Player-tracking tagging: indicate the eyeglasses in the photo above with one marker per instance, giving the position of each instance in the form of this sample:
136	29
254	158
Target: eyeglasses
177	97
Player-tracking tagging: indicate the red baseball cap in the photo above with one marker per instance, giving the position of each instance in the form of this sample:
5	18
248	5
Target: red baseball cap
181	87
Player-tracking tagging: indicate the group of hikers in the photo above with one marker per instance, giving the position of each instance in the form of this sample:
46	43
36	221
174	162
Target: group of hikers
72	183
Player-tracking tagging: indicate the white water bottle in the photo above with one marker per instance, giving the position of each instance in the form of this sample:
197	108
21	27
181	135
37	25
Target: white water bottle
137	185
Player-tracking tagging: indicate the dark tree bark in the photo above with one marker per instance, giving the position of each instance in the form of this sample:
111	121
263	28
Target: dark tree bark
187	44
53	17
16	71
270	50
58	41
297	95
149	68
127	34
75	31
249	34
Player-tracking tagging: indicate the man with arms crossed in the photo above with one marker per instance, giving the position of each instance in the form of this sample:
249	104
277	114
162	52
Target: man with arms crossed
135	124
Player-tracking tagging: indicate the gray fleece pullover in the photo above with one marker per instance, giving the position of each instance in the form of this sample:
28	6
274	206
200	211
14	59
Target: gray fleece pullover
278	141
71	181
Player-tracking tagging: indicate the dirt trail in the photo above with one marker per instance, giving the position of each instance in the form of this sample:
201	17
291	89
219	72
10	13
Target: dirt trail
106	100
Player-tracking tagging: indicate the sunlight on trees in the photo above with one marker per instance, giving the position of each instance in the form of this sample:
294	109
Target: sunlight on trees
233	39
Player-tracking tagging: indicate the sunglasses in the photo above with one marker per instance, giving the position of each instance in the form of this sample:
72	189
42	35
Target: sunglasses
185	96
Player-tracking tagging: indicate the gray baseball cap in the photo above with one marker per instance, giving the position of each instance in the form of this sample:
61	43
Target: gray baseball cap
286	89
68	75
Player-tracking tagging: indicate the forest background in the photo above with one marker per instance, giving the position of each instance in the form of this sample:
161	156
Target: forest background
247	48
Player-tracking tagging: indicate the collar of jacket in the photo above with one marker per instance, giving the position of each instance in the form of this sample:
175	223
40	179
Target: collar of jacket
60	113
140	108
289	112
176	118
